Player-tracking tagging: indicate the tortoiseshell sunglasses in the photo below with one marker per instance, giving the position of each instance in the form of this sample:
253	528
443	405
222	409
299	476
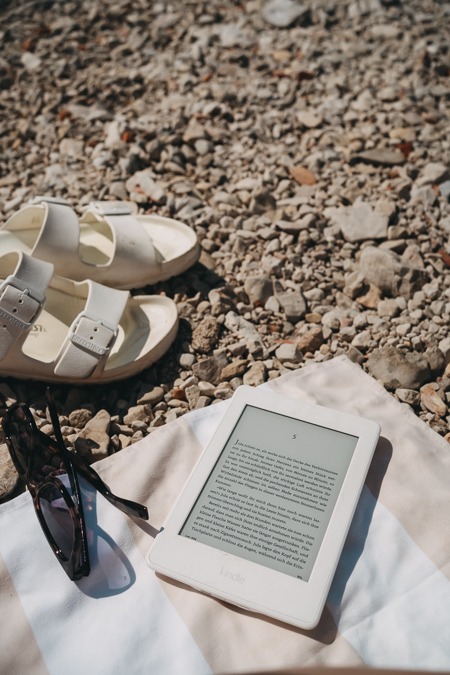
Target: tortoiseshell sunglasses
50	471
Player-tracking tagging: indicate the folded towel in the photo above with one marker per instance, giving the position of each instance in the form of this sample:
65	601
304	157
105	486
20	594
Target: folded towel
389	604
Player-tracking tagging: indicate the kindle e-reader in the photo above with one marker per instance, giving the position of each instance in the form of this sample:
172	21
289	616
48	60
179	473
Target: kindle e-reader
263	518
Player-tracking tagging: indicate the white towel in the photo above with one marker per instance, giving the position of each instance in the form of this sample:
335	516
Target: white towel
389	604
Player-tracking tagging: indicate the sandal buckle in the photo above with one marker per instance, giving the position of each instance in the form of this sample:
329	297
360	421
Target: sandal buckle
85	327
32	304
110	209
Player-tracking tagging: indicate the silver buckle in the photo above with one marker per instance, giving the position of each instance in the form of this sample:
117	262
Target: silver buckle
15	321
87	340
20	285
110	209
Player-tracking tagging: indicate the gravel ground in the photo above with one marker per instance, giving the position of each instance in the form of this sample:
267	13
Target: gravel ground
308	147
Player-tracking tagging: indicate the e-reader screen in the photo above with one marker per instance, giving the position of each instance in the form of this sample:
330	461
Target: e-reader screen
272	491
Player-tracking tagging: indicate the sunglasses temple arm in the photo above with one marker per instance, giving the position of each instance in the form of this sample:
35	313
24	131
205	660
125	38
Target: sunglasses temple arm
125	505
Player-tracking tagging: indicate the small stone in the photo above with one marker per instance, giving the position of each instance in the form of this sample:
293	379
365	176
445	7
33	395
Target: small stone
403	329
271	265
311	341
380	156
30	61
256	374
138	412
151	397
206	389
194	131
186	360
412	256
444	189
405	134
398	369
371	298
432	401
9	477
246	331
238	348
259	289
433	173
272	305
389	273
310	121
220	301
158	421
293	304
355	284
192	395
118	190
387	208
222	393
100	422
359	222
210	369
282	13
205	335
313	317
232	35
234	369
444	346
288	352
143	182
263	201
294	227
302	176
388	307
424	195
79	418
54	176
355	355
202	146
385	31
125	441
202	402
408	396
362	340
92	444
70	147
113	140
178	394
436	359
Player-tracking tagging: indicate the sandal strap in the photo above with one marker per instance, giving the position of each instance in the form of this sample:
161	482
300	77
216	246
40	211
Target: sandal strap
133	248
59	238
92	333
22	295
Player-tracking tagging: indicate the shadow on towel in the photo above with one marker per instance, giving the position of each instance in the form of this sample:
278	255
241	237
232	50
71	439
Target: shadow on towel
111	571
359	528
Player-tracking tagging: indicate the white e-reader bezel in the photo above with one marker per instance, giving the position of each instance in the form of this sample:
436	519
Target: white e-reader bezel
240	581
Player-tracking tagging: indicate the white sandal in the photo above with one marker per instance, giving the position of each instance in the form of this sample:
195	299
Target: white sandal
109	244
57	330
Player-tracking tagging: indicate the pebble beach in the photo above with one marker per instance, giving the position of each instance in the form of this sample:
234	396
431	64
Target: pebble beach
306	143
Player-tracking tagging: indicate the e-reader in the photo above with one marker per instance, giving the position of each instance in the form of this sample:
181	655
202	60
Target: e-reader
262	520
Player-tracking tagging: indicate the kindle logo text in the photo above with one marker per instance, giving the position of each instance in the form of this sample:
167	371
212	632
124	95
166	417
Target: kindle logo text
236	577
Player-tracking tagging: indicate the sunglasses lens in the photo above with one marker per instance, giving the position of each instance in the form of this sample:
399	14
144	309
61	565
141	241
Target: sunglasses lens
58	517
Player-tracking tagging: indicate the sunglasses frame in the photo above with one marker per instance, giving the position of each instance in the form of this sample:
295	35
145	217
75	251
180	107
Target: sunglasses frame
77	565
